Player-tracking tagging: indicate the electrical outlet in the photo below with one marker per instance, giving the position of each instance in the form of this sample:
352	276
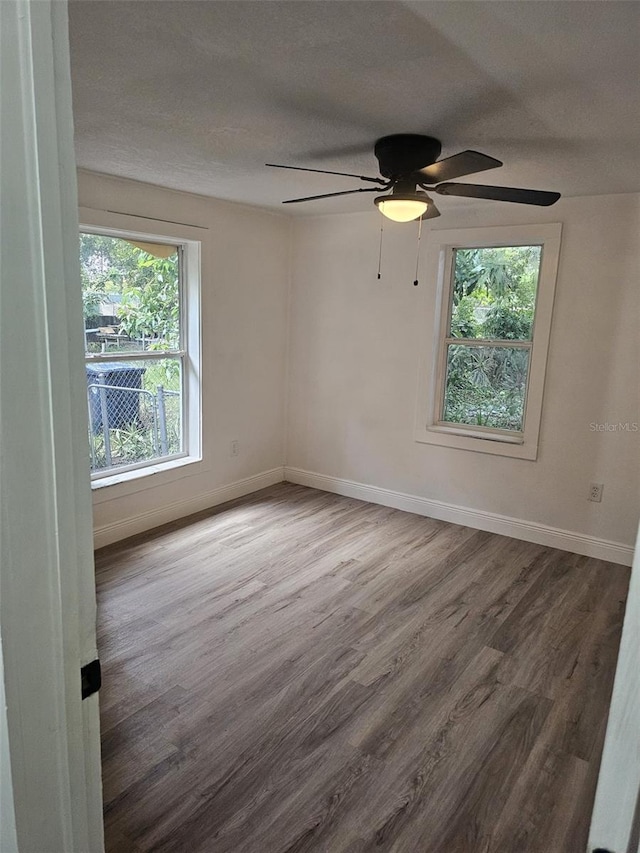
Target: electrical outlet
595	492
234	448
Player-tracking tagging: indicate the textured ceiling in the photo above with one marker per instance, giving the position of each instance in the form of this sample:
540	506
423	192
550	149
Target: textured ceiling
198	96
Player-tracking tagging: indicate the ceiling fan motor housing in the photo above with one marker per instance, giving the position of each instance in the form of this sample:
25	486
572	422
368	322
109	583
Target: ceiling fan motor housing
403	154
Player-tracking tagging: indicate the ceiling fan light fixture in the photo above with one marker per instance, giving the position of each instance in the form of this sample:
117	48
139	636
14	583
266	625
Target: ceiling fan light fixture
403	206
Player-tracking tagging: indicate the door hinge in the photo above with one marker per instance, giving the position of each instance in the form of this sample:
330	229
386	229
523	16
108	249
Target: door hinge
91	678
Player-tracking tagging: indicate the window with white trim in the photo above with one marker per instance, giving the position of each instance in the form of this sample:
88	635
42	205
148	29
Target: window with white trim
483	381
141	327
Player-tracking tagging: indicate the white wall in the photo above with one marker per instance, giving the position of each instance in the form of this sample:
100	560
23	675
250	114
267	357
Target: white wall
354	355
352	370
245	266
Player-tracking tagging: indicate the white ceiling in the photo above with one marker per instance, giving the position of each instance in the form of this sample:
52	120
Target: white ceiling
198	96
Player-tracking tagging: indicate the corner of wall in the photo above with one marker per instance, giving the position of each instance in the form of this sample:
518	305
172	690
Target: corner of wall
287	348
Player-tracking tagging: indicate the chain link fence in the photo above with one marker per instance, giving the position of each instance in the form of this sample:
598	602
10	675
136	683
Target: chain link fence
129	424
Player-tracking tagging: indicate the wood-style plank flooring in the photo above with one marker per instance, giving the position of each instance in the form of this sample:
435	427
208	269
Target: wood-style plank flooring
297	671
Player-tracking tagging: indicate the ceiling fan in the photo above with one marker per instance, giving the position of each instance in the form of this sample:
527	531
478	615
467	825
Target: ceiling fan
409	164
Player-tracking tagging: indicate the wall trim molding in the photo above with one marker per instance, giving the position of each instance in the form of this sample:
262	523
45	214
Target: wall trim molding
107	534
529	531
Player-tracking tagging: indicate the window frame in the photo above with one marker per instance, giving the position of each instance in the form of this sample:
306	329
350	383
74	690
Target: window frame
188	239
429	427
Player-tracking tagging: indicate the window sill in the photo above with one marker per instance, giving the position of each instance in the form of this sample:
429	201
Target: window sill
143	478
500	445
470	432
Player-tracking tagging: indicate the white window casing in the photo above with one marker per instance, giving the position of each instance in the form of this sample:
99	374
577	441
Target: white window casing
188	240
432	368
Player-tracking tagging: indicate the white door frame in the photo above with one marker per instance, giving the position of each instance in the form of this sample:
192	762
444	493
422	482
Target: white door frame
50	792
616	812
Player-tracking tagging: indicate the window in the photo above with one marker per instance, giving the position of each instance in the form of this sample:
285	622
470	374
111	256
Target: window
140	303
485	364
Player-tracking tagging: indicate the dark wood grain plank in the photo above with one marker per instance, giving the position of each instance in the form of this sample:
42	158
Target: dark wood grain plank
296	672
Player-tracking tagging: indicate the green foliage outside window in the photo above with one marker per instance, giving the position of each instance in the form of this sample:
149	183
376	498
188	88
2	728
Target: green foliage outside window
494	294
150	305
143	289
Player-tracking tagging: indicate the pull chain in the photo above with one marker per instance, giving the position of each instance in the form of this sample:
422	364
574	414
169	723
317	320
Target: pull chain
380	251
415	283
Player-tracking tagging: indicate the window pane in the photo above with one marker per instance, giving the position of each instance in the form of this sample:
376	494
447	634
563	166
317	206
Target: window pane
135	411
130	293
494	292
485	386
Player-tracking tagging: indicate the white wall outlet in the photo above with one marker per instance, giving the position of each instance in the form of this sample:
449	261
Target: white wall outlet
595	492
234	448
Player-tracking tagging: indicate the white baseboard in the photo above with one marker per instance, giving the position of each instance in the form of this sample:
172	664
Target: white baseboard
107	534
541	534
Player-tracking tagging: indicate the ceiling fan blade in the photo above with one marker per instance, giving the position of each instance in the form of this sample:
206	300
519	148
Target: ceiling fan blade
326	172
515	194
464	163
331	195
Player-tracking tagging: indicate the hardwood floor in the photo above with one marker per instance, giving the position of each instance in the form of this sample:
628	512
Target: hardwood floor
298	671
